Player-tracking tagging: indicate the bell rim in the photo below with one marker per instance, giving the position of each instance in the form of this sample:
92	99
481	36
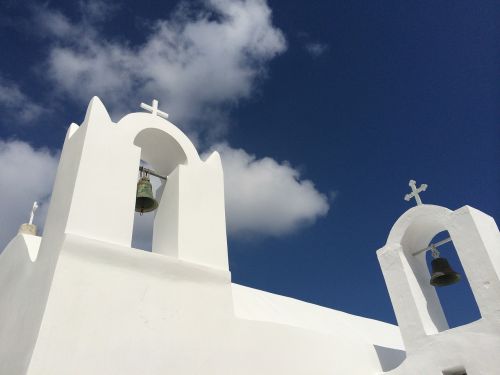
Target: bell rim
454	277
152	208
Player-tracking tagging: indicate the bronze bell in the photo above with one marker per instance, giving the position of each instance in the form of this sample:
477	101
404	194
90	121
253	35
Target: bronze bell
145	201
442	273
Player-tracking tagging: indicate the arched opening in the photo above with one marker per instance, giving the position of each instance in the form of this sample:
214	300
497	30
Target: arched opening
457	300
161	153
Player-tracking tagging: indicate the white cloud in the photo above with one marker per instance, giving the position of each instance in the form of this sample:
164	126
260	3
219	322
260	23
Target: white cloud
316	49
263	196
267	197
199	63
16	105
54	23
97	10
27	176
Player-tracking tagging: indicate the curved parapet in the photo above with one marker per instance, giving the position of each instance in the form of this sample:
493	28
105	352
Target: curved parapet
153	133
417	226
96	185
417	307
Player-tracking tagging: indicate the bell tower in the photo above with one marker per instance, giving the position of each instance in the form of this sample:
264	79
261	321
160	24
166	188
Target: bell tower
430	346
95	189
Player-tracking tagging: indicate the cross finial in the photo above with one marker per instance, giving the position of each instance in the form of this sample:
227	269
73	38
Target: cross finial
35	206
415	191
154	109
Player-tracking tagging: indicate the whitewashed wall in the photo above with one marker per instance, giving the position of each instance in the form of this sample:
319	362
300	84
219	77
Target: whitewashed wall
431	347
80	300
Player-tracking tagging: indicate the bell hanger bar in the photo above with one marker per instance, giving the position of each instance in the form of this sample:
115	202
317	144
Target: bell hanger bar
432	246
150	172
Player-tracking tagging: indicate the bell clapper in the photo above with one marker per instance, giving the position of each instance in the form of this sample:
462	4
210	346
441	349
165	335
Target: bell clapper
434	251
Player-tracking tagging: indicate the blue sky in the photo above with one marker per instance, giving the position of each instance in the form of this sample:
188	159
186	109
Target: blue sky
322	111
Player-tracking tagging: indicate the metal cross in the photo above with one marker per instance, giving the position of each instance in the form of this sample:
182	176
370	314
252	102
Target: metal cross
415	191
154	109
35	206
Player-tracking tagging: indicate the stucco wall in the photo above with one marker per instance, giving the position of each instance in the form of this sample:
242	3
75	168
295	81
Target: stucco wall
112	309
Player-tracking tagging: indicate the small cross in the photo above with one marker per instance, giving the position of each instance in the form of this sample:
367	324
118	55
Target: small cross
35	206
415	191
154	109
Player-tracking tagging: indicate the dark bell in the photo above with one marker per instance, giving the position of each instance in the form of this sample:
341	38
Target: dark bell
442	273
145	201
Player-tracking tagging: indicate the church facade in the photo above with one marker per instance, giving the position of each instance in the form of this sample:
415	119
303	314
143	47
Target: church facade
80	300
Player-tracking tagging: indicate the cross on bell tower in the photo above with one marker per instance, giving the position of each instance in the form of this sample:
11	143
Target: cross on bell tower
415	191
154	109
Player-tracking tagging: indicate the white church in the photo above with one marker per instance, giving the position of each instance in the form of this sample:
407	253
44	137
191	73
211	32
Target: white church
78	299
